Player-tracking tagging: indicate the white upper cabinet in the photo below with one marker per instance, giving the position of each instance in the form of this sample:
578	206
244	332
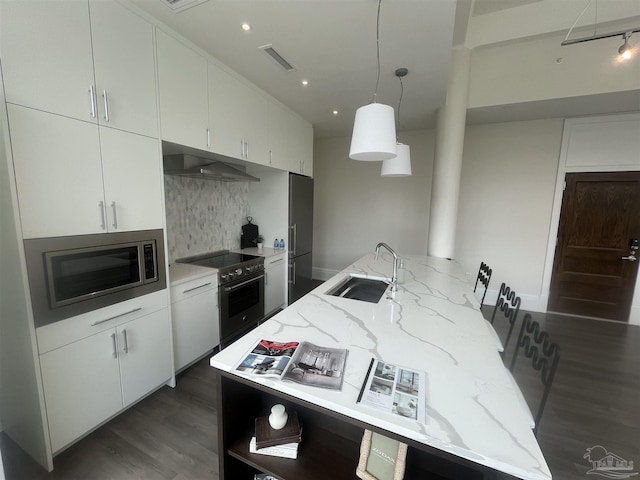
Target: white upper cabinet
78	178
277	127
49	51
132	181
46	55
182	79
124	69
237	117
300	146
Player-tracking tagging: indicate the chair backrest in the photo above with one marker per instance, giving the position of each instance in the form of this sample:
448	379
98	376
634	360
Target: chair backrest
483	278
544	354
509	305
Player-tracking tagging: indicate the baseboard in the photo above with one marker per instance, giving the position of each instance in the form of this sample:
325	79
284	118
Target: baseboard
323	274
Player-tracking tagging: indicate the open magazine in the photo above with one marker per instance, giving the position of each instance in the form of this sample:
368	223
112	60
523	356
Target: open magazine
301	362
394	389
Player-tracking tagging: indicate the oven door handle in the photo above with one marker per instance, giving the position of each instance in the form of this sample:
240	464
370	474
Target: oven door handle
230	289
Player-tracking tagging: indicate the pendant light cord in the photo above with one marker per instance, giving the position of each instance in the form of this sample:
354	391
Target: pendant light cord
375	93
399	103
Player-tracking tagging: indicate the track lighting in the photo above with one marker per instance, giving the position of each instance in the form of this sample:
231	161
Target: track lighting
625	48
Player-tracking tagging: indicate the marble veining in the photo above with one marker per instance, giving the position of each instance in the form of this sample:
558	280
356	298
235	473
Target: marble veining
432	323
203	215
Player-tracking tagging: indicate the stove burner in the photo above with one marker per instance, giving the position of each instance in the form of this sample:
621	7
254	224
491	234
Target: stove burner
231	266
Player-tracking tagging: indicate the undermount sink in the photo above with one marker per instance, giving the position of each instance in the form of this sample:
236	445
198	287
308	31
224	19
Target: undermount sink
365	289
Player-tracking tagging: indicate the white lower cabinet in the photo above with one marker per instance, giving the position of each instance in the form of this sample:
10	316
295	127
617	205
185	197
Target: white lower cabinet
274	282
196	319
90	379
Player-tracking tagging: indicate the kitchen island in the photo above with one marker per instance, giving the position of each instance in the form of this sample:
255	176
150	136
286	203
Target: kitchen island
474	425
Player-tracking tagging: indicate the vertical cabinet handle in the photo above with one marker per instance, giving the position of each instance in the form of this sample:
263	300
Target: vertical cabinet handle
106	105
266	278
103	225
115	215
208	138
115	348
247	149
92	100
270	157
241	147
125	347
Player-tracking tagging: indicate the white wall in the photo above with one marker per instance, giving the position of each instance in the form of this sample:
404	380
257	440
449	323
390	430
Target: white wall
506	199
355	208
527	71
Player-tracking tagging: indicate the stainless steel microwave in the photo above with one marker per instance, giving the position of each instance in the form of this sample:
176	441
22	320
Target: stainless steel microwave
72	275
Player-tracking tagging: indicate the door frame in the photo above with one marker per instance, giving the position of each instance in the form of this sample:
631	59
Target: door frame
584	141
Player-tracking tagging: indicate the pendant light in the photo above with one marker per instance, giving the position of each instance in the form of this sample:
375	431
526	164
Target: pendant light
401	165
374	131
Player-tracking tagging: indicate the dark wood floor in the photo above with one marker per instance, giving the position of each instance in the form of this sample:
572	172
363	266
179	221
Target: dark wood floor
172	434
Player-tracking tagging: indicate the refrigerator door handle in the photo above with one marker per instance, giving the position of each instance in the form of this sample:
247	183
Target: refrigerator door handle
294	239
292	272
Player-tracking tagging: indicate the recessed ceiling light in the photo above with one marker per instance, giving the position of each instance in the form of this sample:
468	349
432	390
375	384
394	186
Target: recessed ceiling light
305	82
246	27
336	112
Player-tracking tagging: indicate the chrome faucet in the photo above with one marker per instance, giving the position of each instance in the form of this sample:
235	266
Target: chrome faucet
394	278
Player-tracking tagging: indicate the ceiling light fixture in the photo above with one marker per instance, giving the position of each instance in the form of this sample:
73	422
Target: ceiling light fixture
305	82
374	132
246	27
625	49
401	165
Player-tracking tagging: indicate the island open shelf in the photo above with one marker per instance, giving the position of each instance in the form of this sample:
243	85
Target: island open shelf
330	446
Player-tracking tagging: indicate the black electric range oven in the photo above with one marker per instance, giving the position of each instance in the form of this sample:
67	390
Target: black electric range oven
240	291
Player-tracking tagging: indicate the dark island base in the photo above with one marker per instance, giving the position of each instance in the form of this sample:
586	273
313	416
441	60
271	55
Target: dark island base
330	445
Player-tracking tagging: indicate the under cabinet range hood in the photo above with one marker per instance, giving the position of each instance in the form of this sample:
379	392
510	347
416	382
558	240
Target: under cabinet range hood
185	165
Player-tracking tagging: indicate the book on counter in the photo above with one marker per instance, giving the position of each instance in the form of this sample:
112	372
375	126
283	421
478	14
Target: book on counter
395	389
300	362
266	436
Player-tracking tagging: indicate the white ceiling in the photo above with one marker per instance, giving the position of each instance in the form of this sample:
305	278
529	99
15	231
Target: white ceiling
332	44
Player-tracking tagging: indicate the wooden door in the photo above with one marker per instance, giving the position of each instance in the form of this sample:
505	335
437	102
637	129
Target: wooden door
600	216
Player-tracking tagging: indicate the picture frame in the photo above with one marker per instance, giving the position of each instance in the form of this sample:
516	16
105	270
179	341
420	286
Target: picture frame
381	458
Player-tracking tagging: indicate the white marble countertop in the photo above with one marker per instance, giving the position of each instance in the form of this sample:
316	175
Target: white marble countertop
432	324
265	252
183	272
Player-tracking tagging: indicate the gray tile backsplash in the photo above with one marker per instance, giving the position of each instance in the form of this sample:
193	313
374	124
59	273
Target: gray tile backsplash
203	215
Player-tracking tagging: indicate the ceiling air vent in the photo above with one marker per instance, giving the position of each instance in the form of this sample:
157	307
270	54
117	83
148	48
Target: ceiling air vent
180	5
277	57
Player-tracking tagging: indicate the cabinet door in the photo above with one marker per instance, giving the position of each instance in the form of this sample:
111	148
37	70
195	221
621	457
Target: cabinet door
274	285
227	107
81	384
238	118
58	174
182	79
124	68
144	349
132	180
46	56
277	127
196	326
300	146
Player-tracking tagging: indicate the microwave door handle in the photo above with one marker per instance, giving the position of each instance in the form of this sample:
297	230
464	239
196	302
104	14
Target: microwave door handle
230	289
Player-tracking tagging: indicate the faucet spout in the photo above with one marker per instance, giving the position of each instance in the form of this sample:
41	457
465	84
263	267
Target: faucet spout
394	278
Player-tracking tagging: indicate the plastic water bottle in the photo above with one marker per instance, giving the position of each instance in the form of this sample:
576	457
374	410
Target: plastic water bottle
281	244
276	244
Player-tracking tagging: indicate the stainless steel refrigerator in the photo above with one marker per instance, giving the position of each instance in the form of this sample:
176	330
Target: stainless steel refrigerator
300	235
